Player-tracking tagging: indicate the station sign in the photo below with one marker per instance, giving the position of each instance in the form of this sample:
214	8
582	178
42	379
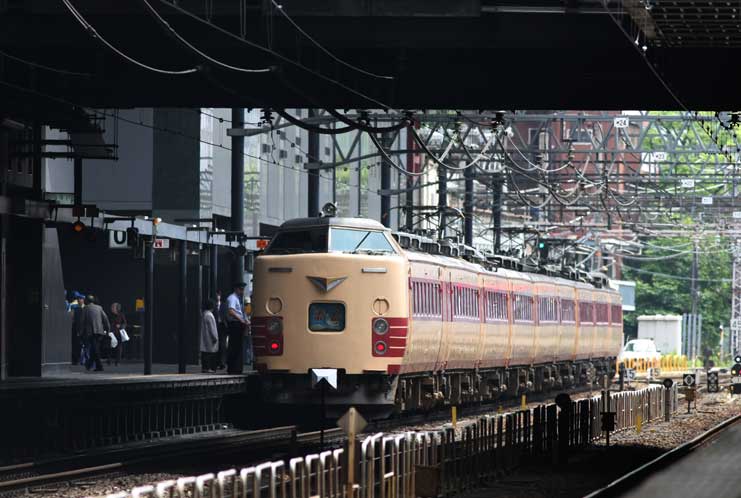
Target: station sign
161	243
737	215
736	380
658	156
117	239
707	201
687	182
621	122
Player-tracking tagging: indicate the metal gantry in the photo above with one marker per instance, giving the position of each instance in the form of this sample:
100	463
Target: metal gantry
551	170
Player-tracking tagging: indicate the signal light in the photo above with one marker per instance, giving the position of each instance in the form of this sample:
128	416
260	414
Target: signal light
262	243
380	326
380	347
275	326
78	226
737	359
274	346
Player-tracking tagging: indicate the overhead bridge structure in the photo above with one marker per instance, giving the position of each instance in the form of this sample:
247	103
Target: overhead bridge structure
419	54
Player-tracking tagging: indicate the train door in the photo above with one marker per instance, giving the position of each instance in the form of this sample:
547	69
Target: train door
445	323
523	322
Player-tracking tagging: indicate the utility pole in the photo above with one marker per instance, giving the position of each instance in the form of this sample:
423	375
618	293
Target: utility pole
497	183
736	304
182	304
442	199
468	206
386	142
409	197
694	279
695	304
313	176
237	188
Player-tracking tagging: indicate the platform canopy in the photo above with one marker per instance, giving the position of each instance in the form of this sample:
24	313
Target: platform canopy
420	54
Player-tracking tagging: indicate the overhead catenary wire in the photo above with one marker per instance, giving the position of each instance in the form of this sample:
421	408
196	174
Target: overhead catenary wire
674	277
323	49
313	128
169	29
274	53
37	65
94	33
406	122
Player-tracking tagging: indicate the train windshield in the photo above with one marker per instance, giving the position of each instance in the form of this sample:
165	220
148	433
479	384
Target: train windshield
359	241
299	241
330	239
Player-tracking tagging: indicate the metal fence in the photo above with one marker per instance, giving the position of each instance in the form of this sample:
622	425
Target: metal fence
428	464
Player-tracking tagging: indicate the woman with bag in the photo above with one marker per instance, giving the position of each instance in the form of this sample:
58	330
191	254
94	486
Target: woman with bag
118	324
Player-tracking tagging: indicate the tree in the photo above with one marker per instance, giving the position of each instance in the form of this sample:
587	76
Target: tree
663	285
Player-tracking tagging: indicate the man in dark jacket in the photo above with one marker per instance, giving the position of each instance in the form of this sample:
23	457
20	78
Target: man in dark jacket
95	328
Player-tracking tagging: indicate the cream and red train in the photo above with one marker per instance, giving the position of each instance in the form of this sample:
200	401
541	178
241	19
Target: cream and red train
408	329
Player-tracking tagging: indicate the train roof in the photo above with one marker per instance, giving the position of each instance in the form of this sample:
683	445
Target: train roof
331	221
462	264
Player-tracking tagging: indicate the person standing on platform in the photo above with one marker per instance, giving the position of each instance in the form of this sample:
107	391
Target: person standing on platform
236	327
76	310
95	328
209	338
118	320
221	313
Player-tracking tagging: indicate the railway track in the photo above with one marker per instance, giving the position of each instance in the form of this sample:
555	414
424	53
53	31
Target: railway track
38	475
636	476
55	473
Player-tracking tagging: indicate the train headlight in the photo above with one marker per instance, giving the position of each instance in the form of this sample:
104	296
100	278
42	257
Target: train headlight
380	347
275	326
380	326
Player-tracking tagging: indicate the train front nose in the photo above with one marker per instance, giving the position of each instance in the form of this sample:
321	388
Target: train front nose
320	309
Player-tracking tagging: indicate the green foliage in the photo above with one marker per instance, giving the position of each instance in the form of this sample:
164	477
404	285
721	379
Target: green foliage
670	293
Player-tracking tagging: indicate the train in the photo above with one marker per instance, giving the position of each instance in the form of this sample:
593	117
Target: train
411	323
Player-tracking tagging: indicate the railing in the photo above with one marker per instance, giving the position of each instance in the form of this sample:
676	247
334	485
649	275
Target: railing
428	464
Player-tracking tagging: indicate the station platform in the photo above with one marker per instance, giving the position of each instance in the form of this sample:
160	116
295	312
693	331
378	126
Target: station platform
125	373
78	410
709	470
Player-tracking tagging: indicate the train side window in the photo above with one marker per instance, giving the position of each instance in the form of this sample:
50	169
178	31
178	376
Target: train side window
428	299
436	298
616	314
415	299
523	308
567	311
586	312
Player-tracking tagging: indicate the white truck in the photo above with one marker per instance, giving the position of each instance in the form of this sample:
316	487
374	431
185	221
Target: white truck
664	330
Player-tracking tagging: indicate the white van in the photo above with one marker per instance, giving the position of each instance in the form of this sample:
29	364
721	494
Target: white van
639	349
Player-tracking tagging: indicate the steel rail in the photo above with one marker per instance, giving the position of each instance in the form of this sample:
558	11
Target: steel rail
21	476
636	476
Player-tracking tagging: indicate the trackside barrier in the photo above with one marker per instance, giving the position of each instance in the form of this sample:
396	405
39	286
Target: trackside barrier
667	363
426	464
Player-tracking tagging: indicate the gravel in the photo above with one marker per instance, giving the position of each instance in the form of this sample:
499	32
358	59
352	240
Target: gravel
588	470
597	466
